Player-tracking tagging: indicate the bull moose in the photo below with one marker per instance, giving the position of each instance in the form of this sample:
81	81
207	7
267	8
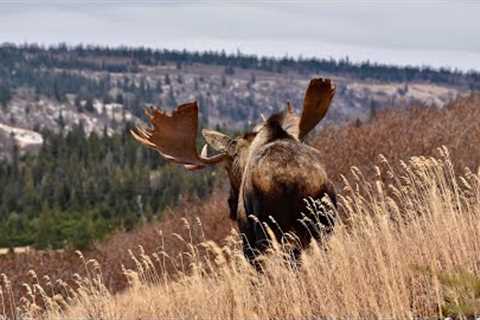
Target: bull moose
271	170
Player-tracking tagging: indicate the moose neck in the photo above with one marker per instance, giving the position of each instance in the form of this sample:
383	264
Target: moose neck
271	131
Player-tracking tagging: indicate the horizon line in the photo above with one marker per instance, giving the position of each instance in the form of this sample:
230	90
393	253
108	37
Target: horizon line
237	52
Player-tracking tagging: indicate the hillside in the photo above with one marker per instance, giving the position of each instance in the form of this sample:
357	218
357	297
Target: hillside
79	187
59	87
397	135
71	174
413	255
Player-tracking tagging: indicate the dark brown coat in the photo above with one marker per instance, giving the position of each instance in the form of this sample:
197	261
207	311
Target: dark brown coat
280	174
271	171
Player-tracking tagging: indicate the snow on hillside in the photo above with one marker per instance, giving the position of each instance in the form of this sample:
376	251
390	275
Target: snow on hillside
24	138
234	100
25	118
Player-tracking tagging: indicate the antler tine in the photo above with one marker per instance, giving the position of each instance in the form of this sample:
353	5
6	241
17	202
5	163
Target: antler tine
204	152
149	112
145	132
140	135
174	134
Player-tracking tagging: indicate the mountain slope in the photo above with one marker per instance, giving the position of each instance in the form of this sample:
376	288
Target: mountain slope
59	87
395	134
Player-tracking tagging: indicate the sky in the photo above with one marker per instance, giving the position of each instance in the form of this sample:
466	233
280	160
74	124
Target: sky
440	33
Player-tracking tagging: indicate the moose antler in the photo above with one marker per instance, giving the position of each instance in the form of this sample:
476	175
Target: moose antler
317	99
174	135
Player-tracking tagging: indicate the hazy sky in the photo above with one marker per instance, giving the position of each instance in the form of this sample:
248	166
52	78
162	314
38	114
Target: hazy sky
421	32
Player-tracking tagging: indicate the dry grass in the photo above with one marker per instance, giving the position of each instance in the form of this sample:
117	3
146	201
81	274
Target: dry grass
387	259
61	267
401	134
397	135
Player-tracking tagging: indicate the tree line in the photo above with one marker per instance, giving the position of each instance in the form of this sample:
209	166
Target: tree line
126	59
80	188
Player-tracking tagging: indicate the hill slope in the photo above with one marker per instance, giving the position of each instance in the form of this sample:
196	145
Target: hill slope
57	88
411	255
397	135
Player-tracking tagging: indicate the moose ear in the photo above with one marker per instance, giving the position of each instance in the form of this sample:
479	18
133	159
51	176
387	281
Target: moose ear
218	141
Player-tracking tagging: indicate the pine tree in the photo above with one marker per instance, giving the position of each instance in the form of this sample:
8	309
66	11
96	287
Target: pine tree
89	105
5	95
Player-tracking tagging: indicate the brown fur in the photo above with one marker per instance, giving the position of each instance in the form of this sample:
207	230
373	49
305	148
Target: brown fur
271	176
271	171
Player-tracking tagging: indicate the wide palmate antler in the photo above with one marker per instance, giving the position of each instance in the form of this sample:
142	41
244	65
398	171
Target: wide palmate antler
317	99
174	135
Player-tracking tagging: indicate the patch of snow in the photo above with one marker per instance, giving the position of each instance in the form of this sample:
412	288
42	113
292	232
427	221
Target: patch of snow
23	137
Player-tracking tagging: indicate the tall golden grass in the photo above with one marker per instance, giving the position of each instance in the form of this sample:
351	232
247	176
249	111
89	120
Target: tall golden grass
388	257
400	134
396	134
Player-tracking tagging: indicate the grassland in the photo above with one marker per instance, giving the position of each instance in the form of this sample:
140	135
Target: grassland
407	246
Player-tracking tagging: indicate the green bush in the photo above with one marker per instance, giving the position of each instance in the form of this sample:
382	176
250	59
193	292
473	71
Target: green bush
461	292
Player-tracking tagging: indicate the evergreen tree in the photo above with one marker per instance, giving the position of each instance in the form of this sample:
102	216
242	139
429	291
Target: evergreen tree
5	95
171	98
159	87
224	81
119	99
89	105
78	103
79	188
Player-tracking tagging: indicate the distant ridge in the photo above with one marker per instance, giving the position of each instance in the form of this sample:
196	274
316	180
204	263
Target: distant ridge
148	56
